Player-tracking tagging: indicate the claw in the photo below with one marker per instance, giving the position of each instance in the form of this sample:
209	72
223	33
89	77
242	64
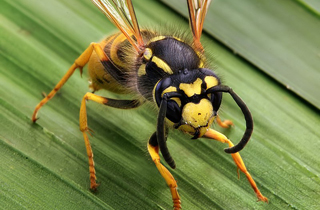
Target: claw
43	94
89	131
81	70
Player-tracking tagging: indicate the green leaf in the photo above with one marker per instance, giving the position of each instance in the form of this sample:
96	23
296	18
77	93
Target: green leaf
312	5
44	165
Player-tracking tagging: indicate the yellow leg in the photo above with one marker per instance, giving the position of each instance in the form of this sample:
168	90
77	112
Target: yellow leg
225	123
85	130
83	121
171	182
212	134
80	62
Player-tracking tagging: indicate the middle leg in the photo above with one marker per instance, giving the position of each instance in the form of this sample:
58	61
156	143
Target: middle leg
122	104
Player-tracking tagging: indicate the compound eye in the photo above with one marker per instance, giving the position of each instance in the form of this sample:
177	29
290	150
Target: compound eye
216	100
173	111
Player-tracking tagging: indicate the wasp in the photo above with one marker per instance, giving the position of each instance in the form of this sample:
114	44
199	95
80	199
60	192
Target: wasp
168	70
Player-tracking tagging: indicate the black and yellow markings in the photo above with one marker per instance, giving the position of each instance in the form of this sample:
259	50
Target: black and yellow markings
172	89
197	116
162	65
114	53
202	59
142	70
169	90
169	69
195	87
211	81
191	89
157	38
149	56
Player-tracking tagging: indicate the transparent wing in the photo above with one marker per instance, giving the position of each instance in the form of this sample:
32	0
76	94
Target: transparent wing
197	13
122	15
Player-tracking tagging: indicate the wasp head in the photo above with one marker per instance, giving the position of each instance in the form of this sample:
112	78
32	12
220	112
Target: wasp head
189	106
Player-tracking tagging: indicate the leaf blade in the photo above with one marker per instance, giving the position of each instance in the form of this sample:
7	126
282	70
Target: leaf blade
283	141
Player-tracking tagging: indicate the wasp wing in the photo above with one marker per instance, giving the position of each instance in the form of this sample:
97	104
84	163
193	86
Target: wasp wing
197	13
122	15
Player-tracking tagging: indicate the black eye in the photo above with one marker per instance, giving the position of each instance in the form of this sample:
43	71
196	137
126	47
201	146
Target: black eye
162	85
216	100
173	111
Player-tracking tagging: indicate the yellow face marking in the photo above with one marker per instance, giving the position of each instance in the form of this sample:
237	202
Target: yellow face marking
191	89
161	64
170	90
211	81
142	70
147	54
197	117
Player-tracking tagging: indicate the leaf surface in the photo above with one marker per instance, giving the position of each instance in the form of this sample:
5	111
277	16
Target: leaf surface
44	165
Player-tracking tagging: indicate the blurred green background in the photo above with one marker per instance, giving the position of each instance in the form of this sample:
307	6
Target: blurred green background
268	51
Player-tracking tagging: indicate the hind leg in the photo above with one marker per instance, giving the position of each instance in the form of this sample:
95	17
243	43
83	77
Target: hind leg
80	62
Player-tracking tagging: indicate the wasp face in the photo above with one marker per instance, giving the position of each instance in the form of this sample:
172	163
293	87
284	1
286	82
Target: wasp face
196	118
189	106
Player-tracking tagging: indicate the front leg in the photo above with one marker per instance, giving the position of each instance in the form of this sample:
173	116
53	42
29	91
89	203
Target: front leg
153	149
212	134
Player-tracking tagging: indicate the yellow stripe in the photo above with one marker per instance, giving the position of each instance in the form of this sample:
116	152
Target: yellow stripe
161	64
114	49
154	91
201	64
157	38
180	40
